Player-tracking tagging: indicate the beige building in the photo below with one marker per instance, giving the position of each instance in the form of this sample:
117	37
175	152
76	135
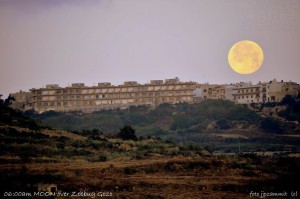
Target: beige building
79	97
246	93
23	100
278	90
218	92
213	91
207	91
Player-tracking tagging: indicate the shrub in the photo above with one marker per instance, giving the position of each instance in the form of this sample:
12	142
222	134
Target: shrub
270	125
223	124
127	133
102	158
129	170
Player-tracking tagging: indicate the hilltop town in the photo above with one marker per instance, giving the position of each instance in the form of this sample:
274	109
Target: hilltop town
79	97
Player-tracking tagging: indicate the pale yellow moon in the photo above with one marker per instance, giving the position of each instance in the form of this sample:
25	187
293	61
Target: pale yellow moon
245	57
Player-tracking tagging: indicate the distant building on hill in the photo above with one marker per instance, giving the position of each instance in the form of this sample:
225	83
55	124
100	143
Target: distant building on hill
23	100
277	90
246	93
79	97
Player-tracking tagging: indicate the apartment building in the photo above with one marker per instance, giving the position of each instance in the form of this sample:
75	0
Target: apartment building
246	93
277	90
79	97
22	101
207	91
213	91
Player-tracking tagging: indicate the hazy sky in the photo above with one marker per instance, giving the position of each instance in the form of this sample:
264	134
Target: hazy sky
91	41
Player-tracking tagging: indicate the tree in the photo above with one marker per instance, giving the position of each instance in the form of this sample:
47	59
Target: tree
1	100
127	133
223	124
180	121
96	133
9	100
288	100
270	125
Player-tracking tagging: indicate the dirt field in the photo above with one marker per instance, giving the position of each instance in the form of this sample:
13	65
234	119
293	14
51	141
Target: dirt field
178	177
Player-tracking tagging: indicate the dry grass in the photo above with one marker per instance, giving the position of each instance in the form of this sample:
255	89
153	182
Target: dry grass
177	177
59	133
51	133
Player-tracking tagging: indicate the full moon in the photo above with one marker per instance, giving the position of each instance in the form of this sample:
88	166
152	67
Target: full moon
245	57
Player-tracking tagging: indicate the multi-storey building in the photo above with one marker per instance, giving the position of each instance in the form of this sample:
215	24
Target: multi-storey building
22	101
218	92
277	90
229	91
213	91
246	93
79	97
207	91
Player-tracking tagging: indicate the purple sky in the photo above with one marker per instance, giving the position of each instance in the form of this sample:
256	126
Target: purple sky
91	41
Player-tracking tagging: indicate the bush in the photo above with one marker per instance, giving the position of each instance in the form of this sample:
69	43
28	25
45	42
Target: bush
223	124
270	125
102	158
127	133
129	170
180	121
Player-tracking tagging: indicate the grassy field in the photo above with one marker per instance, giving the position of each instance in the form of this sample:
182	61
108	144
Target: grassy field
146	168
189	161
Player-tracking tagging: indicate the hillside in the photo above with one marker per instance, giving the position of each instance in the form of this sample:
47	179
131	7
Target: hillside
167	117
217	125
31	156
